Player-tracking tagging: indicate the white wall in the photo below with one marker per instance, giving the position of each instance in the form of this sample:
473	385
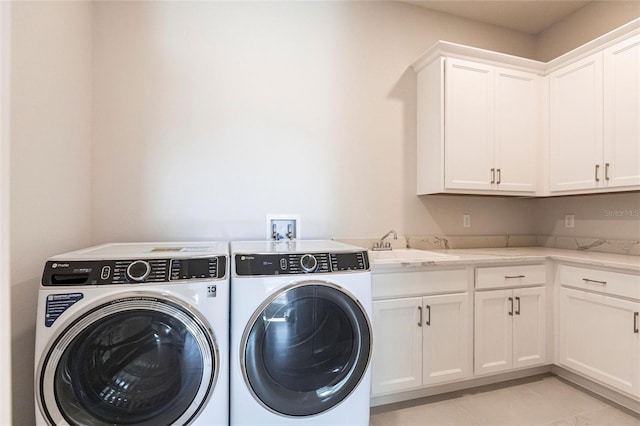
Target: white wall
609	216
587	23
51	54
5	290
210	115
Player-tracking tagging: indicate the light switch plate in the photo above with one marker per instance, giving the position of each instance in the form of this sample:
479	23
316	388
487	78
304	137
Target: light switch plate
466	220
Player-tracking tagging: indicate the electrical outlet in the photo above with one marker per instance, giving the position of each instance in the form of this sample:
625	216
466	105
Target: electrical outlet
466	220
569	220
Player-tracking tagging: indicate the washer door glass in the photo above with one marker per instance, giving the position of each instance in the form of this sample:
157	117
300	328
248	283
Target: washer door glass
132	362
307	350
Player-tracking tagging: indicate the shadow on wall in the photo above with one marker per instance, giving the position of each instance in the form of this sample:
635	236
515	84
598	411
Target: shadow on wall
405	91
23	297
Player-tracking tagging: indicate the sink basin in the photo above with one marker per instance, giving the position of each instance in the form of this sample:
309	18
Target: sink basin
407	255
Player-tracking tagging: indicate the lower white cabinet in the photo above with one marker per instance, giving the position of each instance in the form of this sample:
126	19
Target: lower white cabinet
599	336
420	341
509	329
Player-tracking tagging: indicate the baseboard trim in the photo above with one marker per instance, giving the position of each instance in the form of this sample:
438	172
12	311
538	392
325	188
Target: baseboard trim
458	386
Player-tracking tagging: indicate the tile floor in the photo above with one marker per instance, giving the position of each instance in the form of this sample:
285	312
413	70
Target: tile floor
540	400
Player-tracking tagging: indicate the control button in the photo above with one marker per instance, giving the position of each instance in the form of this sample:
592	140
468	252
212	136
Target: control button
138	270
283	264
308	262
106	271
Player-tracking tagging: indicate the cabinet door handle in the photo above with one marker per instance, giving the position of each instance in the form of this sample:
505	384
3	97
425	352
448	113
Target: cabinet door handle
511	301
587	280
635	322
493	175
606	171
509	277
428	315
499	177
518	308
420	321
597	169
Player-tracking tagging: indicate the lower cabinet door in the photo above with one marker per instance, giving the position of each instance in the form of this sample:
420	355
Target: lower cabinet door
529	323
397	345
599	337
446	345
493	331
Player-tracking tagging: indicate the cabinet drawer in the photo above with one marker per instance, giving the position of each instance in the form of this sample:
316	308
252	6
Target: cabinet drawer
614	283
510	276
394	284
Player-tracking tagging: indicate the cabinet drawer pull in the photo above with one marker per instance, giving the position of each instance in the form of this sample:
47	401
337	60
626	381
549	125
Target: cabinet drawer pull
493	175
420	321
606	171
597	169
511	301
518	308
499	177
635	323
428	315
509	277
587	280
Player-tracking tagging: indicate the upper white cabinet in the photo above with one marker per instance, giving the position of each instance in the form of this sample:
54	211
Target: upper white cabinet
478	128
594	121
495	124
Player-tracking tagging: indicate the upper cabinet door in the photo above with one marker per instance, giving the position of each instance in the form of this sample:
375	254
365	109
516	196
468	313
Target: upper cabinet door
516	130
468	125
622	113
575	125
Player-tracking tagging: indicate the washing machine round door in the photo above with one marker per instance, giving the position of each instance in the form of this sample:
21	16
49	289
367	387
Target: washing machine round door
306	349
134	360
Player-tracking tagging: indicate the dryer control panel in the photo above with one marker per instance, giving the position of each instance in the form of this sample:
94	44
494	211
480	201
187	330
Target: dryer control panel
300	263
133	271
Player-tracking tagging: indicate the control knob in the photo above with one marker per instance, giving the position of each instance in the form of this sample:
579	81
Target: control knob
138	271
308	263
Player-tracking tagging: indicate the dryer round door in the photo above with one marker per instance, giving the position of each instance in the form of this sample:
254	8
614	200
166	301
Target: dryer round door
134	360
306	349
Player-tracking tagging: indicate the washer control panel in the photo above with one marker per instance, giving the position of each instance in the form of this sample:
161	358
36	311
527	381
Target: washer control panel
300	263
132	271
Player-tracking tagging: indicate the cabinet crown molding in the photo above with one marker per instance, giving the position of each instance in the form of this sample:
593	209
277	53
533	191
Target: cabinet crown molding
454	50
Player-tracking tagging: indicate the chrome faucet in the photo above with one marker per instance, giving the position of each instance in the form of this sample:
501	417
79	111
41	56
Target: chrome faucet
382	245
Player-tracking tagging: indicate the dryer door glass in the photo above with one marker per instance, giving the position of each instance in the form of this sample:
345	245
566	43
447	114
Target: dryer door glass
134	362
307	350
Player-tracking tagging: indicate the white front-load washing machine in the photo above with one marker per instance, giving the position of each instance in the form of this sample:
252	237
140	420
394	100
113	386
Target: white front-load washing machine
134	334
301	334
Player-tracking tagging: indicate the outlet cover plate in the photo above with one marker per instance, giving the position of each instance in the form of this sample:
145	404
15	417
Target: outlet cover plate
569	220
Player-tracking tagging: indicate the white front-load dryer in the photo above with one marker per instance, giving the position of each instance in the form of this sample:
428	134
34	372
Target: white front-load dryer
134	334
301	334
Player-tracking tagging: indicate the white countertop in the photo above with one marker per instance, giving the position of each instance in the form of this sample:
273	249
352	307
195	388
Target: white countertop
512	255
